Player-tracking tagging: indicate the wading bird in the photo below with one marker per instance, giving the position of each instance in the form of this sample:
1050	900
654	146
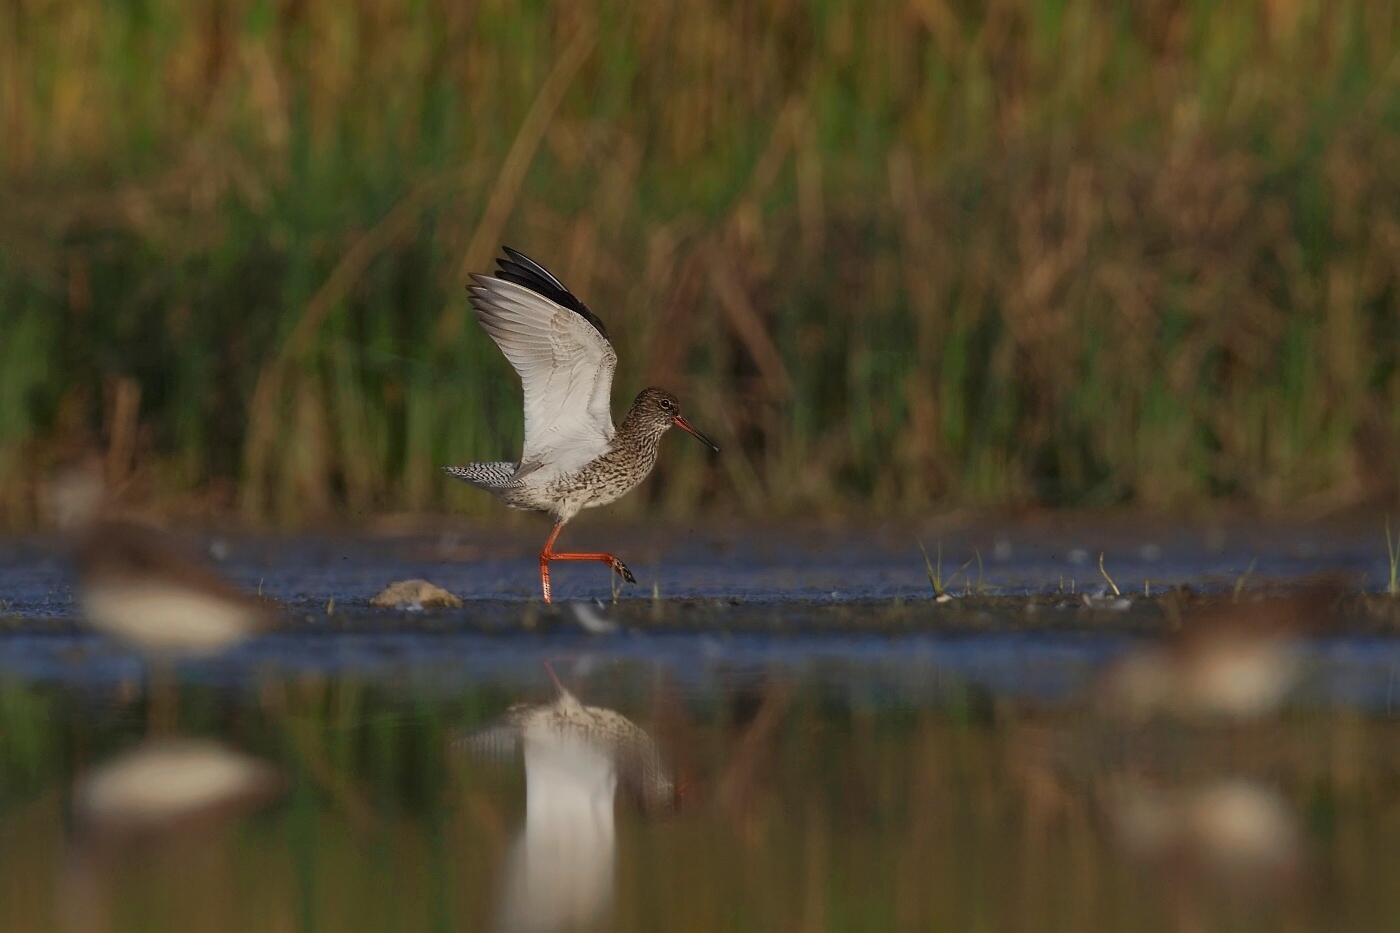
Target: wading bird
145	588
573	457
148	590
1232	661
140	587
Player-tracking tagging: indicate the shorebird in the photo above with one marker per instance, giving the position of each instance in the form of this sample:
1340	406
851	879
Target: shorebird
560	871
1234	661
573	456
137	587
141	588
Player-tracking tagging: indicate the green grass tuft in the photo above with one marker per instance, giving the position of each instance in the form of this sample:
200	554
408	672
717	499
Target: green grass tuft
934	571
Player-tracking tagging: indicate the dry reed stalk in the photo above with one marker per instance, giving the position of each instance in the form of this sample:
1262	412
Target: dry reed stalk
264	410
123	410
294	712
506	190
743	476
749	327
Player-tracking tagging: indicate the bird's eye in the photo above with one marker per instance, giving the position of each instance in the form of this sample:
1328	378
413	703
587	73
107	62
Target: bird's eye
667	405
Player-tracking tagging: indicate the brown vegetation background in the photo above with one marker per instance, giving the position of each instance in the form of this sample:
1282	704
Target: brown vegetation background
894	256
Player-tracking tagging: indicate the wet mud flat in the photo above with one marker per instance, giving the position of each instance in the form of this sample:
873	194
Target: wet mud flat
761	565
1351	612
1036	616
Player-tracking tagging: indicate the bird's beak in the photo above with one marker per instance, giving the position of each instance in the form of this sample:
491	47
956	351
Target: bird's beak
689	428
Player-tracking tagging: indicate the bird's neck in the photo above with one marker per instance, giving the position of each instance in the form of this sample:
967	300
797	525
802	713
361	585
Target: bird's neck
639	433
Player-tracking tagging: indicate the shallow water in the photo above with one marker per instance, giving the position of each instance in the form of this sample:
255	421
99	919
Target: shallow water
800	565
860	761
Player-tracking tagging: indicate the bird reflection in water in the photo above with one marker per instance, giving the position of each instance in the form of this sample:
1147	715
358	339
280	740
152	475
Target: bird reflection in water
560	870
161	796
1232	831
1227	669
1230	845
140	587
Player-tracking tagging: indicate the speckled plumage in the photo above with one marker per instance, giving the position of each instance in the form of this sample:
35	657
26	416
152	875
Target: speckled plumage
573	458
624	464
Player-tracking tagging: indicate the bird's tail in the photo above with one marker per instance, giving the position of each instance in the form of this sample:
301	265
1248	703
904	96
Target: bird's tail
484	475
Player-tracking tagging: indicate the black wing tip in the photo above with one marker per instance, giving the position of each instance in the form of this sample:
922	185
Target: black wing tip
521	270
517	258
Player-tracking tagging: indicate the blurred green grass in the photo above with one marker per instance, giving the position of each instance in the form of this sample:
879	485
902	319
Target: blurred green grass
896	255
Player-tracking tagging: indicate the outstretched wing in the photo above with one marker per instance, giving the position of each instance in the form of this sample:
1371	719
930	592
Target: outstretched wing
563	355
499	740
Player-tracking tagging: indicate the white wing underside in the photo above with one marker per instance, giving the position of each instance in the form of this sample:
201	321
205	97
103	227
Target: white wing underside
561	870
566	370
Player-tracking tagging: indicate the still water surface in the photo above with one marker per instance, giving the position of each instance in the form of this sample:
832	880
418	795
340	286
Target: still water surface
869	773
806	809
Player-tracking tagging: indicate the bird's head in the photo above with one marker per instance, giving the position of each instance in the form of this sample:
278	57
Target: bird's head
659	409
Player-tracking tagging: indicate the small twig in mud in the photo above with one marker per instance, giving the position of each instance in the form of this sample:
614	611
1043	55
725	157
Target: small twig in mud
1393	549
981	587
1239	584
1111	585
935	574
967	578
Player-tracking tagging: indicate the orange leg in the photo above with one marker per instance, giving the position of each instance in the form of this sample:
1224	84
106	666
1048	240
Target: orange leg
548	554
